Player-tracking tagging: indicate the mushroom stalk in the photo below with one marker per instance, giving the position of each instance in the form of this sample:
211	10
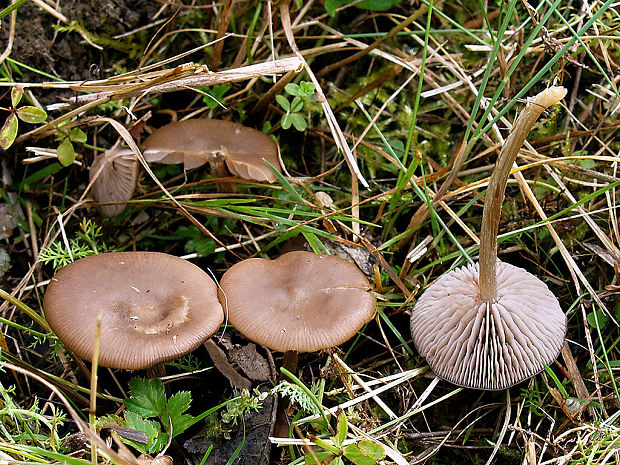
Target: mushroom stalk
497	186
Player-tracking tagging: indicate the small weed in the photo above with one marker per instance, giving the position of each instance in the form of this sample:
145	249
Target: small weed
27	425
364	452
243	405
27	113
298	396
85	244
148	400
187	363
301	93
65	150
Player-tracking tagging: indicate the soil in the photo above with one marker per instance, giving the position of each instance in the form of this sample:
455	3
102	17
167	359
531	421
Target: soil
40	42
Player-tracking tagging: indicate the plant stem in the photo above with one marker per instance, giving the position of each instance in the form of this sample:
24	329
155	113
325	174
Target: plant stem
26	309
497	186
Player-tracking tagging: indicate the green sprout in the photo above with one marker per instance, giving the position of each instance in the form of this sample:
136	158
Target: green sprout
293	117
27	113
364	452
65	150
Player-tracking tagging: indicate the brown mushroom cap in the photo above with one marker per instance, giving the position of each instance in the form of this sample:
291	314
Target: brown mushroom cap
196	141
491	348
156	307
116	181
299	301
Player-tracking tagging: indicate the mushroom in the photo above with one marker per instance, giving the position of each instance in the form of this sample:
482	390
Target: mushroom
492	325
113	175
299	302
156	307
194	142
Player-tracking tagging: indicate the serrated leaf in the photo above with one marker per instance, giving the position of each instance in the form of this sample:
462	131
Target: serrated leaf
32	115
16	95
77	135
65	152
292	89
110	419
8	133
177	405
364	452
298	121
341	429
283	102
321	455
202	246
148	398
149	427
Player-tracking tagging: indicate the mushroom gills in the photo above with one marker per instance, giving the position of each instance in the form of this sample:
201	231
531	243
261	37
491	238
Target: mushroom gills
492	345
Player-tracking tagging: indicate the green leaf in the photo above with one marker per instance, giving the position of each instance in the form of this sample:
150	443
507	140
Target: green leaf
307	89
377	5
284	103
587	163
151	428
297	104
341	429
331	5
321	455
337	461
16	95
32	115
374	5
8	133
298	121
77	135
292	89
177	405
65	152
364	452
596	319
325	445
286	121
216	94
148	398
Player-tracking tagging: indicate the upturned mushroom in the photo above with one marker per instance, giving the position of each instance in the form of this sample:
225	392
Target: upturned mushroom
156	307
492	325
113	174
299	302
220	143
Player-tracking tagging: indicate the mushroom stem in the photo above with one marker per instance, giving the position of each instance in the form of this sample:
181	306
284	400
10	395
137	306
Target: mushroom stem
290	361
497	186
156	371
218	169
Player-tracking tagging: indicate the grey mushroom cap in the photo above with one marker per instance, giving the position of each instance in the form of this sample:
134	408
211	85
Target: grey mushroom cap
195	142
300	301
494	346
116	172
156	307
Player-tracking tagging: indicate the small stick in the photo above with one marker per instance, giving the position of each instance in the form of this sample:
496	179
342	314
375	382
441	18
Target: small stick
361	382
92	417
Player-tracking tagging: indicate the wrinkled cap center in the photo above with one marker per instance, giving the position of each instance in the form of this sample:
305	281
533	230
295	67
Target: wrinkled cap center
148	318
